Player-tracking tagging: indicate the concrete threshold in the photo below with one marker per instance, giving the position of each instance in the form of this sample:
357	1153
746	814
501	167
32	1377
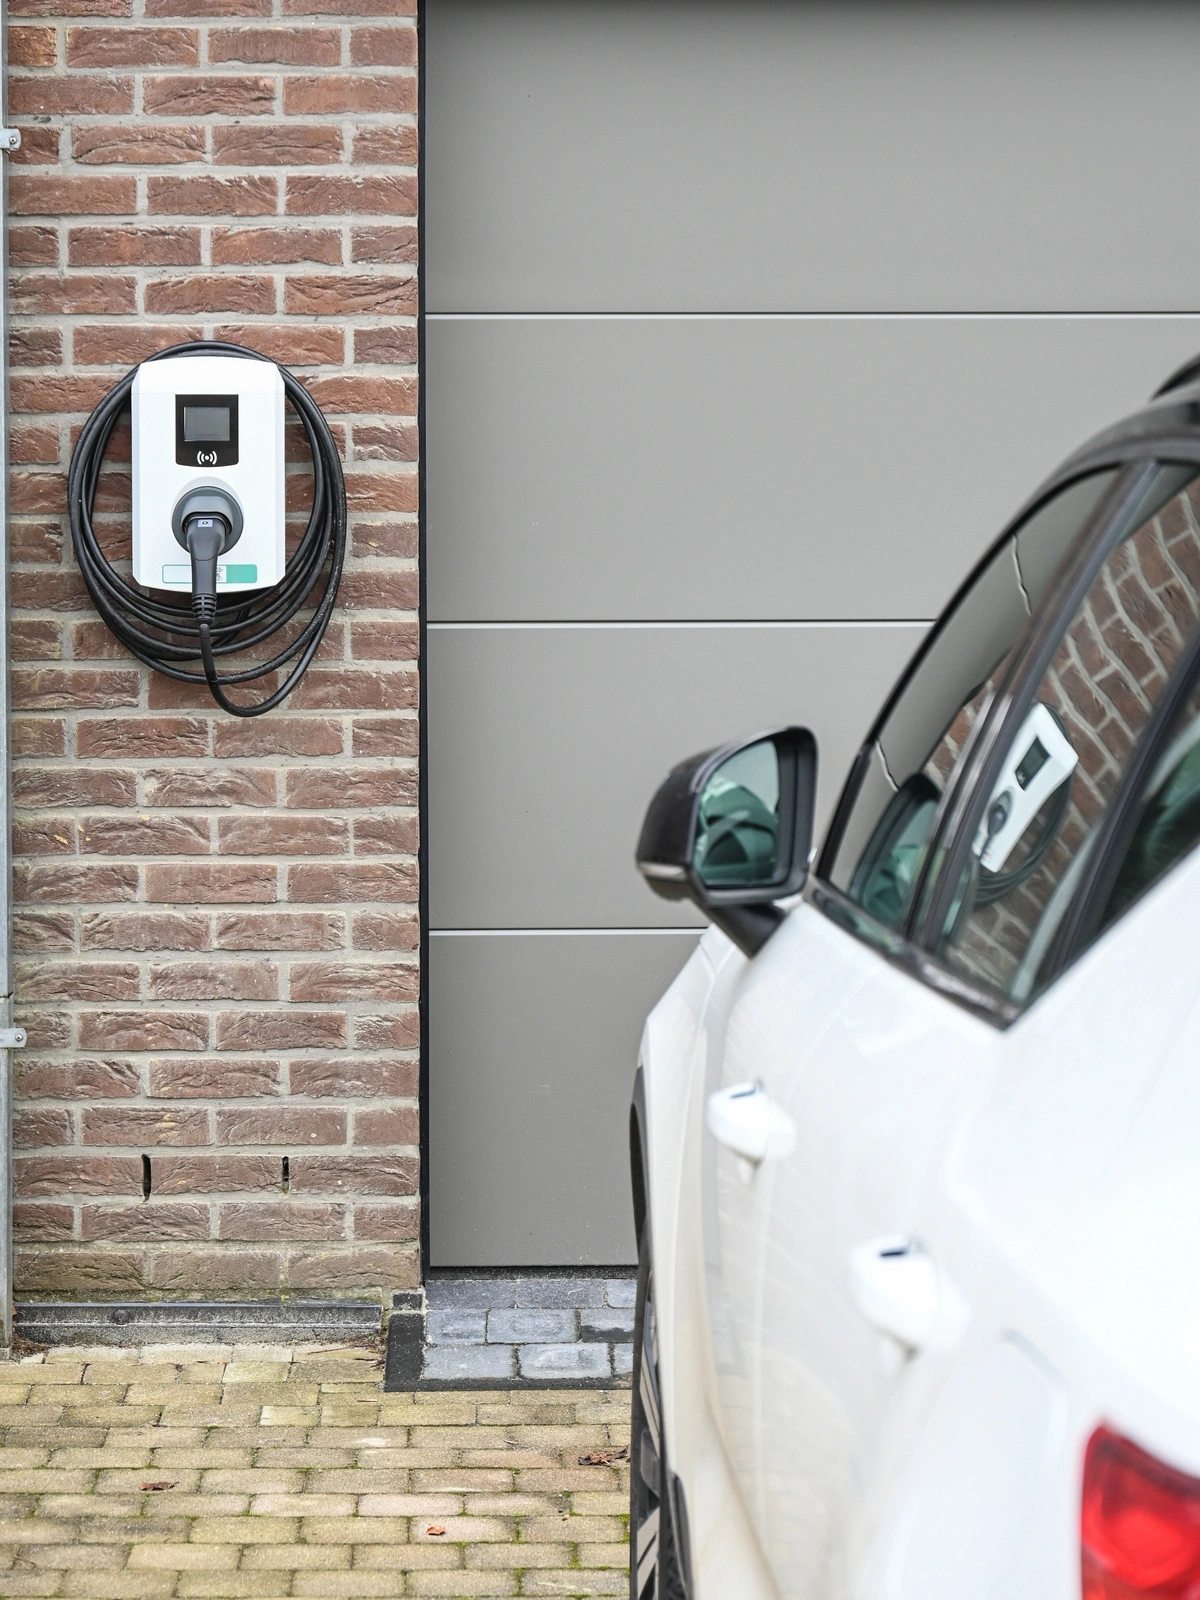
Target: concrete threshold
138	1322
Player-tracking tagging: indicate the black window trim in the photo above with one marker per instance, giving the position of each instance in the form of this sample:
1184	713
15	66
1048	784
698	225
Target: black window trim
912	948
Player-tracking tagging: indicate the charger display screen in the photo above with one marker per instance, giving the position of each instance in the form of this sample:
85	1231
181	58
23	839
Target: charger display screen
206	430
206	424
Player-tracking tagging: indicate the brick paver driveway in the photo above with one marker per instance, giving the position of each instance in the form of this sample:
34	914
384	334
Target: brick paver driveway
201	1470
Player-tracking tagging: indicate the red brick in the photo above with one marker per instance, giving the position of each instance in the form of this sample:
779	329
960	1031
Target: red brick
379	491
281	1219
389	145
393	441
143	1030
281	145
45	1029
393	539
77	1172
386	195
75	96
78	1270
121	247
386	930
208	8
33	1129
278	735
80	1078
398	244
354	1174
194	1268
132	47
200	292
379	591
323	93
43	930
43	1221
35	541
385	836
121	345
333	981
375	880
218	1172
281	1126
145	1125
76	980
74	883
336	1077
386	736
280	930
38	736
389	346
33	445
213	197
383	47
47	688
142	737
291	47
387	1222
33	246
143	930
373	396
277	247
281	1030
32	46
133	146
144	836
350	295
43	836
319	789
399	1030
66	786
205	96
352	1267
74	294
213	1078
209	883
40	147
295	346
214	980
150	1220
283	836
222	786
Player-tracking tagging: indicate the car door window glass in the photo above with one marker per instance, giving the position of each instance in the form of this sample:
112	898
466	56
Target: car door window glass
905	768
1166	822
1031	840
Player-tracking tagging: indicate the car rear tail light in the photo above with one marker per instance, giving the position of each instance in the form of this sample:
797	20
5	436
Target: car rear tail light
1140	1525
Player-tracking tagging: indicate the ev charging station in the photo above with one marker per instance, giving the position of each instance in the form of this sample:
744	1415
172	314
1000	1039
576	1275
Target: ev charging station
208	443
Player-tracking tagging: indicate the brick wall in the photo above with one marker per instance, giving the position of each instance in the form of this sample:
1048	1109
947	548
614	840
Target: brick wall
216	929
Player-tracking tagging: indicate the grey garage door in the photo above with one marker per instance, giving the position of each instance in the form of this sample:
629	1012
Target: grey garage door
747	327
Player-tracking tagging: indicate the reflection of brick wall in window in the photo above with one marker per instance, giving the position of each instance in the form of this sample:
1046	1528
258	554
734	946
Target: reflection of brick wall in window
1107	674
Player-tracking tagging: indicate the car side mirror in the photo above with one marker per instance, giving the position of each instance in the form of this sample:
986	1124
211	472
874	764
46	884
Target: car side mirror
731	830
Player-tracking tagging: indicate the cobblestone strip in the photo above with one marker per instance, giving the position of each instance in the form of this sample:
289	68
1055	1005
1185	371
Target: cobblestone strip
202	1470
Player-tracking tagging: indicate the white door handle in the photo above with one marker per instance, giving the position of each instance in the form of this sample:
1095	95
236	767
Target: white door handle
897	1288
746	1120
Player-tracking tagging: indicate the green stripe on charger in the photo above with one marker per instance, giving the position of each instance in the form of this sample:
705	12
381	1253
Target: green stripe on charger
242	574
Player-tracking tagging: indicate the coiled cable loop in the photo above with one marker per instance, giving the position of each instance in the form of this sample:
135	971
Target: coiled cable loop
164	634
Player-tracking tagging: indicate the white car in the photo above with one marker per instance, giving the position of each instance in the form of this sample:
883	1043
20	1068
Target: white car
916	1132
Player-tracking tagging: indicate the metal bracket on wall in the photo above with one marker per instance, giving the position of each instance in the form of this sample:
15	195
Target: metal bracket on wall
12	1038
10	139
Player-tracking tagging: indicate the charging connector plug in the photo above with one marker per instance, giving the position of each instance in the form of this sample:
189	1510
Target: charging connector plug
205	538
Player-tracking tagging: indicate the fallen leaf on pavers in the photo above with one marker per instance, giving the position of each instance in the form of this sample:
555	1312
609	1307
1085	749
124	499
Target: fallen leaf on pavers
435	1529
156	1484
605	1458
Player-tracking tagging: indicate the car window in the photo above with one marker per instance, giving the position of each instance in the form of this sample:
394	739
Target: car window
1166	821
902	772
1032	833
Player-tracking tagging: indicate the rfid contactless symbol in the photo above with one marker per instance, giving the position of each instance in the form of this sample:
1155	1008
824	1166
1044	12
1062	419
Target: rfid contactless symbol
208	475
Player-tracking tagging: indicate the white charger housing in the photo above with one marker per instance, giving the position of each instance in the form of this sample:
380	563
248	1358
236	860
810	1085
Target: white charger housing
208	422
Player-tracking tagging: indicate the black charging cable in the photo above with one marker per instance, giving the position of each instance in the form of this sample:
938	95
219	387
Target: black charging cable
161	632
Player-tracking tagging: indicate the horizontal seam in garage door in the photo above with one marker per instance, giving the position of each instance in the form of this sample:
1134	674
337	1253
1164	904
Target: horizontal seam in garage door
748	622
549	933
809	316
